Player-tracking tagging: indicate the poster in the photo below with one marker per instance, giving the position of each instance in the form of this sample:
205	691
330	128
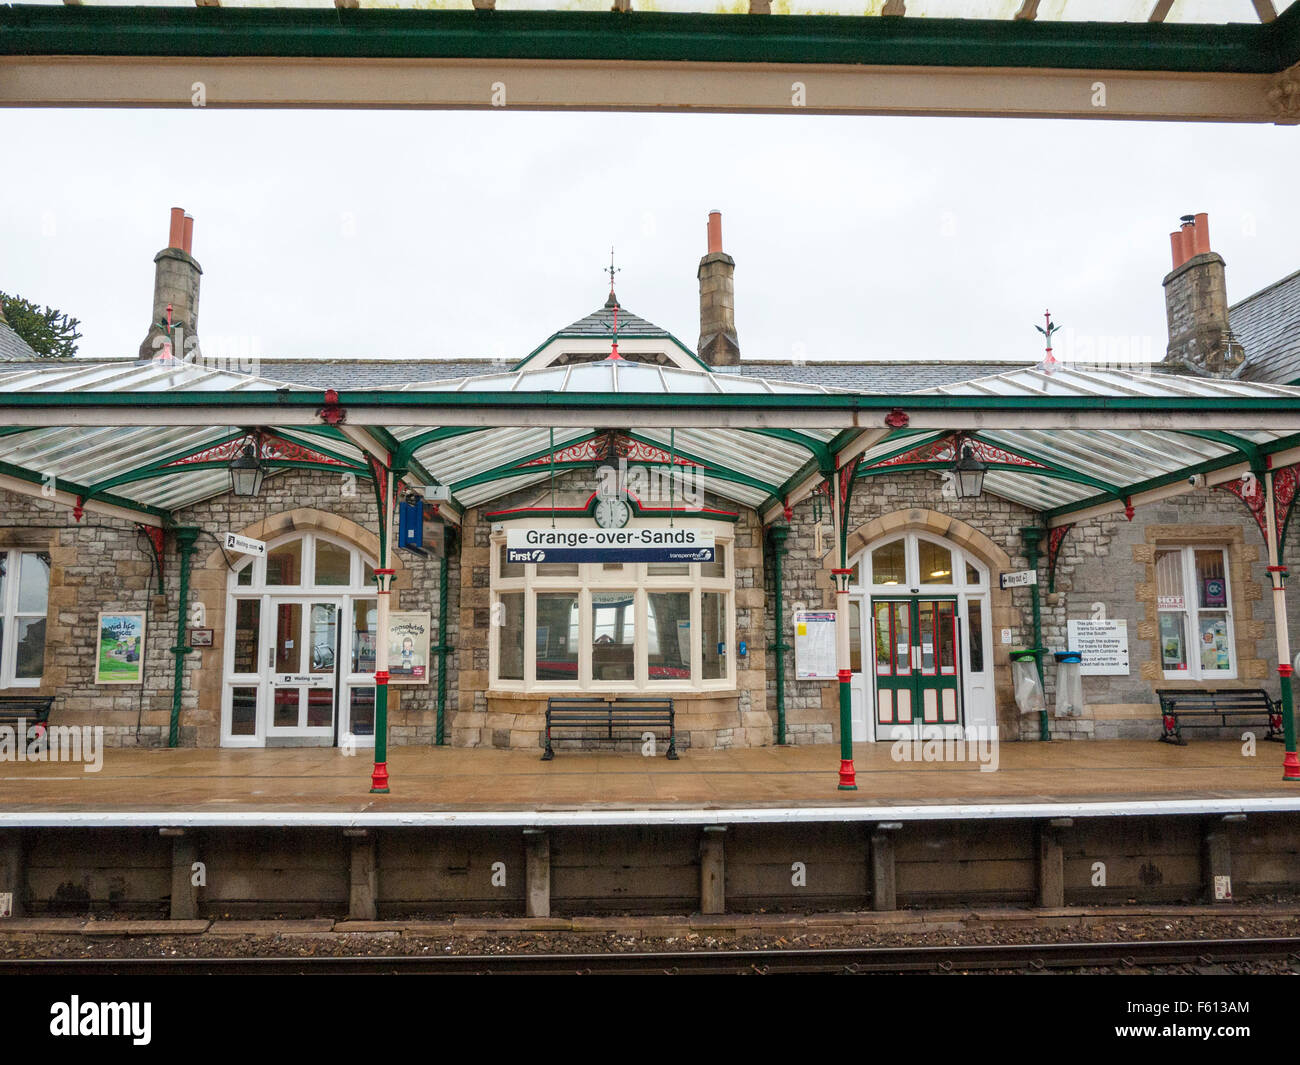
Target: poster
1103	643
119	654
814	645
408	648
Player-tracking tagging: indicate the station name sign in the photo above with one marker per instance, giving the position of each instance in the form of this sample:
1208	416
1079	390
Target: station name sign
545	544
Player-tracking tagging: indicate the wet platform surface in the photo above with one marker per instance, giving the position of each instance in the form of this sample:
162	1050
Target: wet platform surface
428	779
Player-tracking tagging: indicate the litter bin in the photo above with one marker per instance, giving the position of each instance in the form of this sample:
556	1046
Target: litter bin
1028	685
1069	684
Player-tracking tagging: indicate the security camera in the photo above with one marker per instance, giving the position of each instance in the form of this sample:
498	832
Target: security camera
1196	480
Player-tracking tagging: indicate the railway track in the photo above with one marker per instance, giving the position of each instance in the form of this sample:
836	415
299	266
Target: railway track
1203	956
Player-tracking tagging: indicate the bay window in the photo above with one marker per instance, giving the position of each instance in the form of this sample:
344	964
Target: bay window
1193	602
612	626
24	595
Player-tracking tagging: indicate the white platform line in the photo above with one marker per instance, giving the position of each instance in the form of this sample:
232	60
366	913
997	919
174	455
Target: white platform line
633	816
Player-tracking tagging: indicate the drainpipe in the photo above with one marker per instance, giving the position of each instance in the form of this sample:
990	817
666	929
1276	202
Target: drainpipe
777	535
1031	536
186	536
440	736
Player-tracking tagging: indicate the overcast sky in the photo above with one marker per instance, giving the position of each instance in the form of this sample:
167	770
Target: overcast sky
344	234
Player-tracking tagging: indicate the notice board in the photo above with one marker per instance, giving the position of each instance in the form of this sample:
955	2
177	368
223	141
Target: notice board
1103	643
814	645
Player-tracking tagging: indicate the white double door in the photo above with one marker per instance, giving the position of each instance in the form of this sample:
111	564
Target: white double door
292	676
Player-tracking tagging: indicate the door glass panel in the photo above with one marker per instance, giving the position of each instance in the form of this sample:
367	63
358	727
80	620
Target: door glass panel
365	624
936	563
883	639
557	636
668	635
975	610
902	635
288	629
510	637
243	711
506	568
320	707
925	625
713	617
947	639
248	628
333	564
285	712
718	567
972	575
888	564
284	564
323	636
244	578
613	635
855	636
362	709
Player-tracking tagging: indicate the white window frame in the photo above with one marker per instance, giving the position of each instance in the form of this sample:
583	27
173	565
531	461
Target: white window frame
593	577
11	616
1191	613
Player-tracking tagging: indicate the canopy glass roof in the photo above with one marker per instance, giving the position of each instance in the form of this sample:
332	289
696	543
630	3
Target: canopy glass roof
762	465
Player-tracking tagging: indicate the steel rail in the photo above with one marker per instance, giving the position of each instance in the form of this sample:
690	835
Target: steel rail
850	960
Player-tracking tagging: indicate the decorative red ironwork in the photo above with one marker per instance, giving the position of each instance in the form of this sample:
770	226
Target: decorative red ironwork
155	535
270	448
1250	490
947	449
1055	538
597	449
332	413
79	508
380	473
897	419
847	473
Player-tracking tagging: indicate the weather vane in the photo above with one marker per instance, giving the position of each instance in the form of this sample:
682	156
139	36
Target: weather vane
1049	361
612	270
613	302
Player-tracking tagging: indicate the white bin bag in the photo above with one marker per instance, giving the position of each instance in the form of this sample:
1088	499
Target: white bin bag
1029	689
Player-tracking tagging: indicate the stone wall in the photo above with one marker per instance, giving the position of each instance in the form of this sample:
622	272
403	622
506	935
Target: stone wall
711	719
103	564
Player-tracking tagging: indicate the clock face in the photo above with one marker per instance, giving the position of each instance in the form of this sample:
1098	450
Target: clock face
612	512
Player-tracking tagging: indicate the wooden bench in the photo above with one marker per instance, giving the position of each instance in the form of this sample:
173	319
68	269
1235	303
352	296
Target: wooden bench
1177	705
33	711
607	714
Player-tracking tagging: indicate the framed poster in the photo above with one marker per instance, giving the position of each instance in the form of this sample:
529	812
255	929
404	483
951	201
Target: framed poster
814	645
408	648
119	652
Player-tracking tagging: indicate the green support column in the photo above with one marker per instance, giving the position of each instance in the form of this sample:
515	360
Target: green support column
385	485
186	537
440	737
777	535
1032	536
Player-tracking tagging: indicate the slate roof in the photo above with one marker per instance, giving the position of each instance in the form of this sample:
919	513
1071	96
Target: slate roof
12	346
1267	324
600	323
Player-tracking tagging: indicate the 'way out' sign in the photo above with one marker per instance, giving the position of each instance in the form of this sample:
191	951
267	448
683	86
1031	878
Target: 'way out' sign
533	544
245	545
1019	579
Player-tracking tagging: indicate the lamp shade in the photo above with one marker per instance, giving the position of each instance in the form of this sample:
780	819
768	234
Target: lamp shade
969	474
246	473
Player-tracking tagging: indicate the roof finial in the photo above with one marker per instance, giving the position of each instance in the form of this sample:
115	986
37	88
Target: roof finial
612	270
1050	362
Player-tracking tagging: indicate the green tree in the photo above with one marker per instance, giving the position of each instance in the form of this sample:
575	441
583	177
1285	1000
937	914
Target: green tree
50	332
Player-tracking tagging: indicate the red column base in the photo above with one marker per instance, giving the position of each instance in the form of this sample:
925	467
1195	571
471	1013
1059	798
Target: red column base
379	779
848	778
1291	766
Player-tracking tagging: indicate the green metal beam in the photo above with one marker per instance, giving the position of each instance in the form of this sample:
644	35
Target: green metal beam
75	488
1238	48
406	450
1064	472
1250	451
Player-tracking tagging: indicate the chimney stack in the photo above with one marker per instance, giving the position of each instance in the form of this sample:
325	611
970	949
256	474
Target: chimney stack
176	284
718	344
1196	304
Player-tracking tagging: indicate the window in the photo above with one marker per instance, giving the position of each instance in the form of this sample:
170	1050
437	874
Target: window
24	594
641	626
1196	640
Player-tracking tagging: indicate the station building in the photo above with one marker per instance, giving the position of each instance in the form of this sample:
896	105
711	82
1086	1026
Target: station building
124	601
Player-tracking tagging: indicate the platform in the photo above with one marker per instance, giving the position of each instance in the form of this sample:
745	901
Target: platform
432	786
